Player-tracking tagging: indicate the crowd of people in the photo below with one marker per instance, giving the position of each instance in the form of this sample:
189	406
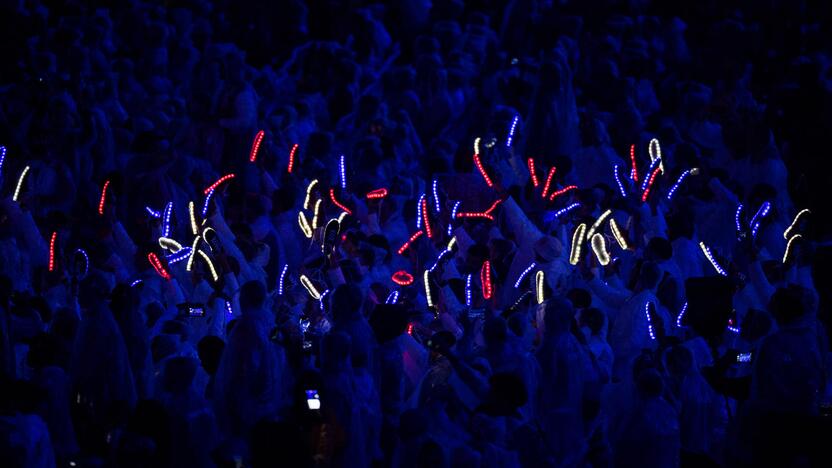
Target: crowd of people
487	233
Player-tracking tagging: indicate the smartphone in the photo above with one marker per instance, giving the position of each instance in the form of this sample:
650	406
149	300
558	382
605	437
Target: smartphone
313	400
744	357
190	309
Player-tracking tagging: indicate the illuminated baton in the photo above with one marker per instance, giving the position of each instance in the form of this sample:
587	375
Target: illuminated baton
532	172
477	145
597	223
86	261
103	198
652	178
377	193
649	320
758	216
538	286
737	217
468	290
679	181
485	278
577	240
622	242
308	193
178	256
316	214
563	211
337	203
710	257
169	244
412	239
618	182
20	183
402	278
523	275
166	219
157	265
436	203
789	246
548	183
681	314
217	183
280	282
426	218
321	300
475	215
52	251
292	158
255	146
194	227
511	131
153	213
206	203
453	216
341	218
560	192
419	211
426	279
392	298
599	246
655	150
2	158
342	169
480	168
304	225
794	223
310	288
634	169
192	256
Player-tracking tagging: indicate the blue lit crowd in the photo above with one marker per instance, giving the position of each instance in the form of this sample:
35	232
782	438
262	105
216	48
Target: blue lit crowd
414	233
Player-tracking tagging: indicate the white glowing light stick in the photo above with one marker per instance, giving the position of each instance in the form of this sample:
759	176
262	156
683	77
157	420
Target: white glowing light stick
309	193
710	257
789	247
597	223
787	232
169	244
523	274
20	183
538	286
210	265
622	242
577	240
342	216
191	258
426	278
192	214
655	150
310	288
304	225
599	246
316	214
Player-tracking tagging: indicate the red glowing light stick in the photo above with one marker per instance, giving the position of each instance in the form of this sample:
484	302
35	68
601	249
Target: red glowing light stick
493	206
634	170
377	193
548	181
485	279
533	173
402	278
475	215
557	193
157	265
103	199
337	203
480	167
426	219
217	183
255	146
410	241
650	184
52	251
292	158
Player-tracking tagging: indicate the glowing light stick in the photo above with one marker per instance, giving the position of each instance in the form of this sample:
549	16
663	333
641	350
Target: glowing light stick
169	244
560	192
511	131
255	146
178	256
468	290
563	211
477	145
475	215
419	211
410	329
402	278
217	183
453	216
548	181
20	183
157	265
316	214
2	157
710	257
206	203
532	172
787	232
392	298
679	181
681	314
426	218
622	242
377	193
480	168
737	219
597	224
229	308
304	225
309	193
577	240
52	251
310	288
342	169
618	182
194	227
634	170
436	204
599	246
135	283
493	206
153	213
655	150
523	274
451	244
340	218
191	257
426	279
538	286
335	202
103	198
292	158
485	279
649	175
758	216
410	241
439	258
86	261
652	178
280	281
789	247
649	320
166	226
321	301
731	327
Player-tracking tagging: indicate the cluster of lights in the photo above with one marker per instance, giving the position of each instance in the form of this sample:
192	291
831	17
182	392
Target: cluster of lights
485	279
377	194
337	203
481	168
599	246
410	241
548	183
532	172
255	146
402	278
538	286
523	274
710	257
217	183
577	240
560	192
103	199
292	152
